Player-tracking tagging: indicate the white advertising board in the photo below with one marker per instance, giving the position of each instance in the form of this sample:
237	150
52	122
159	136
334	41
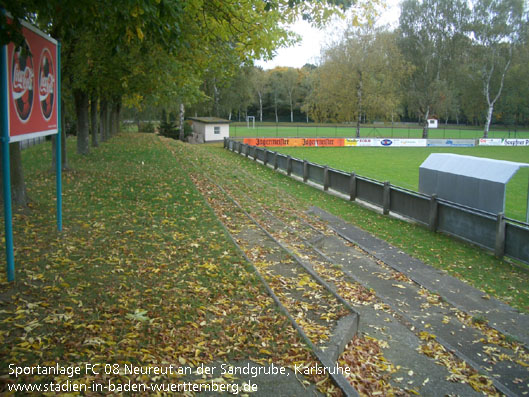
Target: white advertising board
503	142
385	142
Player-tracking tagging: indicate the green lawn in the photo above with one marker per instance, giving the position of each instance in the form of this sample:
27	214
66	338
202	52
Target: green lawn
323	130
142	273
400	166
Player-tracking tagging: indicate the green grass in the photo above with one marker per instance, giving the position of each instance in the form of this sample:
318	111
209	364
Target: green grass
465	261
323	130
400	166
143	272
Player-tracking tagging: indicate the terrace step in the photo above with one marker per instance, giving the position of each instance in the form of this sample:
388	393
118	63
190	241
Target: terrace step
424	312
396	311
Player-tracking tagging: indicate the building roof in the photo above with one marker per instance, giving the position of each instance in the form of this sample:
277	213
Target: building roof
210	120
471	181
475	167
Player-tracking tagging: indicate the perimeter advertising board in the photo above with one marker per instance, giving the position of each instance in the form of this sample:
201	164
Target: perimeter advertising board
450	142
32	85
385	142
335	142
303	142
503	142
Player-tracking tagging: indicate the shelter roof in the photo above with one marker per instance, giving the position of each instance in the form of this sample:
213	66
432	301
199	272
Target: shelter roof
500	171
210	120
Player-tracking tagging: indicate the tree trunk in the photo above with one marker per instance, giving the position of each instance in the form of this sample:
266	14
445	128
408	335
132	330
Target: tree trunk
19	196
487	89
487	121
216	100
114	117
425	127
81	109
182	115
93	121
64	158
260	107
359	93
118	115
103	119
18	185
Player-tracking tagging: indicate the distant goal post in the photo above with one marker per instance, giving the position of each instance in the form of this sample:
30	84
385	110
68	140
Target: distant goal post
252	118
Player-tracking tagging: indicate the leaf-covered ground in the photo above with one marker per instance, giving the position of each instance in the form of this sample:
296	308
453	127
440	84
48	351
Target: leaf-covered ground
464	261
266	196
143	272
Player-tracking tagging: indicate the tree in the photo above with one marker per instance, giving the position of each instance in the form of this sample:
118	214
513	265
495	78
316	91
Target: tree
258	82
275	90
305	88
19	197
291	80
513	107
360	77
430	33
496	27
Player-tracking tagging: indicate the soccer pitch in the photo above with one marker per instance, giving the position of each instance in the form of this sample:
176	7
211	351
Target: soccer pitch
400	166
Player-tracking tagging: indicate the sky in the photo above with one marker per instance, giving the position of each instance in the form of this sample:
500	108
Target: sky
308	51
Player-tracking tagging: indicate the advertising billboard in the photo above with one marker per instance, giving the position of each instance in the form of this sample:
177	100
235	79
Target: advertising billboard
303	142
31	85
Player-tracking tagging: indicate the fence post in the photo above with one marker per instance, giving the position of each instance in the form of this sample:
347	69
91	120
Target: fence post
240	147
255	153
326	178
225	140
352	187
305	170
275	161
386	198
289	165
247	150
433	218
499	247
265	159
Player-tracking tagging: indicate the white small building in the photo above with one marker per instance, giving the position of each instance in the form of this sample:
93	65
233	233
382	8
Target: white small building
210	129
433	123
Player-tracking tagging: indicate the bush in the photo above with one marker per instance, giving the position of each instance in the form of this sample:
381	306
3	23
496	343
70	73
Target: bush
188	129
147	126
168	129
127	126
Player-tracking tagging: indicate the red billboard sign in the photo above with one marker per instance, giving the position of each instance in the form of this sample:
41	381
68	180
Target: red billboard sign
32	85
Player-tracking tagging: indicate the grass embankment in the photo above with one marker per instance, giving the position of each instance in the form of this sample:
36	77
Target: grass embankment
370	131
510	283
143	272
400	166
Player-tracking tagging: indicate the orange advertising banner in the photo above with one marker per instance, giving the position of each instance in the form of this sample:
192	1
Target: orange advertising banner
306	142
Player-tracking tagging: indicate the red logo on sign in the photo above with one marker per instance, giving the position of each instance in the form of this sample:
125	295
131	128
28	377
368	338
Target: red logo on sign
46	84
22	81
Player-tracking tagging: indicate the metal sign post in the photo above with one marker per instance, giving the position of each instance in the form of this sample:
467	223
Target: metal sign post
30	98
6	180
58	142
